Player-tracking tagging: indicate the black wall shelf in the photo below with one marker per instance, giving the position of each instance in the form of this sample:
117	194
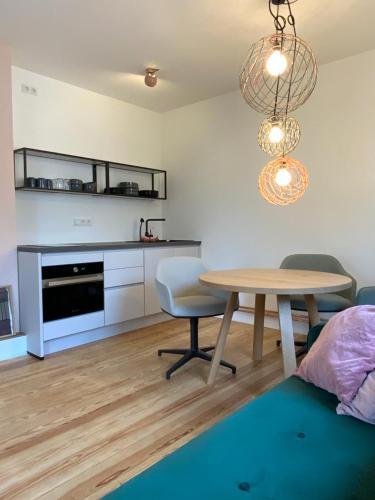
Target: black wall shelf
22	155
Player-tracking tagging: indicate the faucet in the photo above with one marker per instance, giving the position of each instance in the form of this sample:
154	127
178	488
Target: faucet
148	233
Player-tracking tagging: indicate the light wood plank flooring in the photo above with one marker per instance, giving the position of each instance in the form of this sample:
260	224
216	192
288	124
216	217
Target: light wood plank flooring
81	422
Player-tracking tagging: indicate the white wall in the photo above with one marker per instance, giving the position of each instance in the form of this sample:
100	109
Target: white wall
72	120
8	255
213	161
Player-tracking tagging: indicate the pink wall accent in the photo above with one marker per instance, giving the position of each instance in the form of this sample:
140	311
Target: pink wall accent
8	253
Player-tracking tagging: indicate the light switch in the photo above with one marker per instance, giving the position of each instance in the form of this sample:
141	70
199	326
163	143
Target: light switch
82	221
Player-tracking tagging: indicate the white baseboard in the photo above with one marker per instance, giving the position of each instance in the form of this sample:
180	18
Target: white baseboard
12	347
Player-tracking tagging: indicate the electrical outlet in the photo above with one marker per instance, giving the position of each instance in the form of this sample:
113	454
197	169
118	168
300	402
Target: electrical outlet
82	221
29	89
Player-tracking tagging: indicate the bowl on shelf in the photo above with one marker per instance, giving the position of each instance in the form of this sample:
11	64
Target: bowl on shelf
149	193
130	185
41	183
129	188
113	190
75	185
89	187
31	182
121	191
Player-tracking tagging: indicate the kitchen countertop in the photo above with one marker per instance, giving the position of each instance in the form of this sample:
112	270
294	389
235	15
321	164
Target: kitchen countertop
103	245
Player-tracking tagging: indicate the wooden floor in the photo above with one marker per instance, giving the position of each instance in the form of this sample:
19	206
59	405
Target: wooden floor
81	422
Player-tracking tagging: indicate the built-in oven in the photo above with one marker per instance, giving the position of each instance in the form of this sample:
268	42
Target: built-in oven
72	289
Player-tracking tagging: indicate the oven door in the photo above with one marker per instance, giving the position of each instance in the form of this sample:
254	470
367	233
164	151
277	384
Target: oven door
72	296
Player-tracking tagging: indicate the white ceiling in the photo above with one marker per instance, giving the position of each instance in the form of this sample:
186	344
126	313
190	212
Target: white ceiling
199	45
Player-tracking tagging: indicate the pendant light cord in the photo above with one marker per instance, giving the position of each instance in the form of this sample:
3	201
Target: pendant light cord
280	21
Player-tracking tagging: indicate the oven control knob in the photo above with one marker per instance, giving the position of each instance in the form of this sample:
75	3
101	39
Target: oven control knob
75	269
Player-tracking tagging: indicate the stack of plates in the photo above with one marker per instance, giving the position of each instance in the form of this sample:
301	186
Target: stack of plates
129	188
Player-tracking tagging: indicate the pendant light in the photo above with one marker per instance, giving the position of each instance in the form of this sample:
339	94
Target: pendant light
278	76
283	181
279	135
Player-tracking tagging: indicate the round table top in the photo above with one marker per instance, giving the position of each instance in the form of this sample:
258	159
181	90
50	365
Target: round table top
275	281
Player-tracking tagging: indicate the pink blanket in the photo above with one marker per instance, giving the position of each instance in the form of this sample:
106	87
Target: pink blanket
343	355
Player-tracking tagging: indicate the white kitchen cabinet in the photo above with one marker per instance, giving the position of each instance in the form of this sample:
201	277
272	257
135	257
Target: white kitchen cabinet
123	303
129	293
119	259
152	258
186	252
120	277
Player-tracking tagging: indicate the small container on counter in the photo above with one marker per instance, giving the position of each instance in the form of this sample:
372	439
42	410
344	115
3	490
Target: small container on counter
41	183
75	184
58	183
89	187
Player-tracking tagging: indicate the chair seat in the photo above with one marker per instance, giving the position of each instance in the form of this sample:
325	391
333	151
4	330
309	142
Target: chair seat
326	302
197	306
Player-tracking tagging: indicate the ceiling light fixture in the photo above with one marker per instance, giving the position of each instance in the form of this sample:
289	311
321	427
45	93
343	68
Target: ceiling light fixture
277	77
280	71
151	78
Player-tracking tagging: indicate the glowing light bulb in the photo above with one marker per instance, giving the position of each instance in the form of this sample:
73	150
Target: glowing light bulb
276	63
283	177
276	134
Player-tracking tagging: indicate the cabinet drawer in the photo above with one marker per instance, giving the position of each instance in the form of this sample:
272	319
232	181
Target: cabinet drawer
117	259
119	277
123	303
69	326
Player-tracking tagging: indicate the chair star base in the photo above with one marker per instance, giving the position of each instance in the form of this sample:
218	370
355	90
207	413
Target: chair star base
194	352
189	354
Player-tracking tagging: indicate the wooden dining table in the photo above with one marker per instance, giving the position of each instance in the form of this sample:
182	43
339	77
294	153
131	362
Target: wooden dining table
280	282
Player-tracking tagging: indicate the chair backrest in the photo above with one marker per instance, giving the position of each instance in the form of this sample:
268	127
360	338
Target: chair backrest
366	296
181	275
320	262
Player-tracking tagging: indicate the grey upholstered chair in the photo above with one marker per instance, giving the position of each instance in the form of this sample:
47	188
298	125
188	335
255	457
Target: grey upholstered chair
181	296
366	296
326	302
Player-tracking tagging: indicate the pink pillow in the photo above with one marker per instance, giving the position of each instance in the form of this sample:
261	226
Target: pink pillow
343	354
363	405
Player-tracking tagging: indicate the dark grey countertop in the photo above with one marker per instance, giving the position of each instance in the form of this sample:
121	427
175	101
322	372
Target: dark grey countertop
103	245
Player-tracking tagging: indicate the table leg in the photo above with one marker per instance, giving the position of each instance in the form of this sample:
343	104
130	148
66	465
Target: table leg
287	337
221	339
314	317
260	301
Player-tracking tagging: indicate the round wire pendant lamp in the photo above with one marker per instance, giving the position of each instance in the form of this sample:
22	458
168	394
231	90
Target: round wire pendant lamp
279	135
283	181
279	74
